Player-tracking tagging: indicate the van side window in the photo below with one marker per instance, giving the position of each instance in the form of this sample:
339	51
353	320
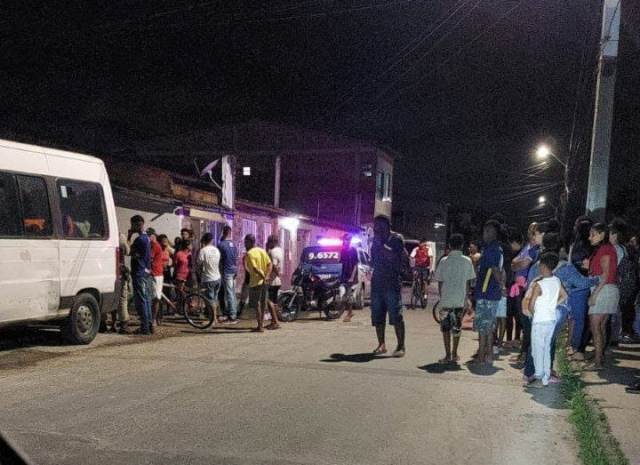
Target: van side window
82	208
9	206
36	213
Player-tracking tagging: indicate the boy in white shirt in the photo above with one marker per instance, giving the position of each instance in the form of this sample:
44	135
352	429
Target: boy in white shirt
547	293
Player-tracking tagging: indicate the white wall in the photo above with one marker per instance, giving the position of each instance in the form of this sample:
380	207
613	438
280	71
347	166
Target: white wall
168	223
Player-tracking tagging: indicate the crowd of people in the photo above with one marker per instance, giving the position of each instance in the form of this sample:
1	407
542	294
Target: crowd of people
526	291
159	266
522	290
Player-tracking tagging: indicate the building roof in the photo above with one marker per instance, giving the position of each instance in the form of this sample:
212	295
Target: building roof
256	137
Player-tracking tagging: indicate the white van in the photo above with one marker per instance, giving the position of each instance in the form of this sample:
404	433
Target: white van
58	239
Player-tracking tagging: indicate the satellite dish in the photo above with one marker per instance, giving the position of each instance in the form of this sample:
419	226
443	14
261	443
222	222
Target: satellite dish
209	168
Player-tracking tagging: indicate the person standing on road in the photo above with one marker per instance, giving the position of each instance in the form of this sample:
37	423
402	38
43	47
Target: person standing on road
182	267
489	290
520	266
208	265
454	275
474	254
348	273
605	296
258	266
229	269
276	254
387	255
141	273
546	294
159	259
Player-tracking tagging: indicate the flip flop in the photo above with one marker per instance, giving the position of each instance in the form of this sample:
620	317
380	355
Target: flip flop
379	351
445	361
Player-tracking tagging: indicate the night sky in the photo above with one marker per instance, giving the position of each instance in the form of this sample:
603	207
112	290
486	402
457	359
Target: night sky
463	89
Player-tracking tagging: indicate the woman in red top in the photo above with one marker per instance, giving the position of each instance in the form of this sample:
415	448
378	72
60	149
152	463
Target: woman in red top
604	297
182	263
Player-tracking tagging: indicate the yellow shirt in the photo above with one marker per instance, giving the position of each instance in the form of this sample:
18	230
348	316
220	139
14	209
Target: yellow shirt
257	264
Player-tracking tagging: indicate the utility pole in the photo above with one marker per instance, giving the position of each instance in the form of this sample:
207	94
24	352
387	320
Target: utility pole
603	115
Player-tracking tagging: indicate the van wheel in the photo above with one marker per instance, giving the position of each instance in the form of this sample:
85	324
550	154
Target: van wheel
83	322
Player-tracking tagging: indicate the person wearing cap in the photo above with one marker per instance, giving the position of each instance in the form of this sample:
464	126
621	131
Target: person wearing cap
159	261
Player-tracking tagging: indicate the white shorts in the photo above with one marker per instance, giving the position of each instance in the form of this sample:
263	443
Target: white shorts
501	311
159	280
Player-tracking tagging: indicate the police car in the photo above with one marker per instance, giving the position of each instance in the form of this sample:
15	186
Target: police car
324	259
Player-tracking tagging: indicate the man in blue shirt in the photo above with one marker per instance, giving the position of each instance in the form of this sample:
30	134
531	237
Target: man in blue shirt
143	287
489	290
387	255
229	270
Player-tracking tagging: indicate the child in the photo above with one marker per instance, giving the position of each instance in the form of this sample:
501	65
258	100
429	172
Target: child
547	293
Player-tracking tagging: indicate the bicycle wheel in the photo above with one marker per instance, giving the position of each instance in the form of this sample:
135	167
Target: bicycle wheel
416	297
423	299
436	312
198	311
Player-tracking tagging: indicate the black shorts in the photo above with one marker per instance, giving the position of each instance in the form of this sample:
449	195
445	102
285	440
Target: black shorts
258	297
451	320
273	293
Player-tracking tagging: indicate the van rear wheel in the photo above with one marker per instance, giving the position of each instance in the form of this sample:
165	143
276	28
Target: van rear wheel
83	322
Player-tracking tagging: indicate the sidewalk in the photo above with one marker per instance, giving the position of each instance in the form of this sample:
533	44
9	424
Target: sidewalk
622	409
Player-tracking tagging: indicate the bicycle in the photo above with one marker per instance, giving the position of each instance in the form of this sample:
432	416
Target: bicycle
417	291
191	304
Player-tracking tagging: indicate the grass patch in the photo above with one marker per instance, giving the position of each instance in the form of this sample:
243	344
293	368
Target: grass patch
596	444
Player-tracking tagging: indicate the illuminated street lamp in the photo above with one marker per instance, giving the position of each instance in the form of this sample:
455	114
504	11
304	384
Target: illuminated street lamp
543	152
542	200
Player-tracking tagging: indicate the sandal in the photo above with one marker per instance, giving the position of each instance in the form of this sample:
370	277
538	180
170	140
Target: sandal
272	327
445	361
379	351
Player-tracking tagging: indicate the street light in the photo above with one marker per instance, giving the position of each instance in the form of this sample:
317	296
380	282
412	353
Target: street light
542	199
543	152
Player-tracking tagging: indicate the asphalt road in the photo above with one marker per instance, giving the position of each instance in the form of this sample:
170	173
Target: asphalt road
307	394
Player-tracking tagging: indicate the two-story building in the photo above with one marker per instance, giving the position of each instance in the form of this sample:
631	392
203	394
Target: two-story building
331	178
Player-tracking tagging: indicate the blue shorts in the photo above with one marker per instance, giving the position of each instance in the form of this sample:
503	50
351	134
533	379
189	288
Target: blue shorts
485	319
385	301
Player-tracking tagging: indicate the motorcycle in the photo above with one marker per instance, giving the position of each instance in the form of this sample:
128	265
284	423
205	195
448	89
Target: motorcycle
309	292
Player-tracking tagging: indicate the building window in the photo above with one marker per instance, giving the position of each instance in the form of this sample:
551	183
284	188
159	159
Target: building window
249	227
384	187
267	230
379	185
82	207
387	187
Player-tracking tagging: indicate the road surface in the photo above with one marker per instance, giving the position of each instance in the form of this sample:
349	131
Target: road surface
307	394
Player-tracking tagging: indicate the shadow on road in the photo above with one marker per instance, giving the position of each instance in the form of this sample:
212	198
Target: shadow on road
21	337
549	396
216	331
439	368
353	358
482	369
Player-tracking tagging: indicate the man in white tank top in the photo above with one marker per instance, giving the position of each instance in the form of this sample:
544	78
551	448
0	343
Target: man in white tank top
547	293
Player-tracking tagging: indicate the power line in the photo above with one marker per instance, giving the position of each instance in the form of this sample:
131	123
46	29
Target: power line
405	52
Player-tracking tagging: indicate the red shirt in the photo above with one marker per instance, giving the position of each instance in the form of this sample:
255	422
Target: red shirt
595	269
157	259
182	260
